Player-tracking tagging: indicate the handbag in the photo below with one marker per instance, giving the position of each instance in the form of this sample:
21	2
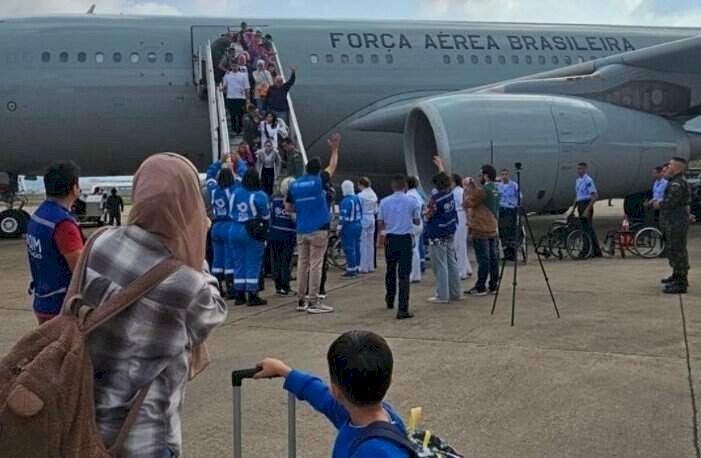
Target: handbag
256	227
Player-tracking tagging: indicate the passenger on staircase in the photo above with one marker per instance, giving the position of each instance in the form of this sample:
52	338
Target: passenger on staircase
263	80
237	88
272	129
273	70
228	60
246	155
276	100
293	158
268	165
251	127
220	48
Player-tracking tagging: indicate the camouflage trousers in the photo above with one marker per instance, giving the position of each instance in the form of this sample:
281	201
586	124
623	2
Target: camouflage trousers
676	238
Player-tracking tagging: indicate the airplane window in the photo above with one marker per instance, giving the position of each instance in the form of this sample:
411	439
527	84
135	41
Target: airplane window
117	57
63	57
345	59
359	59
474	59
169	57
135	58
461	59
502	59
556	60
82	57
329	58
541	60
488	59
99	57
389	58
529	59
151	57
45	56
568	60
446	59
375	59
514	59
314	59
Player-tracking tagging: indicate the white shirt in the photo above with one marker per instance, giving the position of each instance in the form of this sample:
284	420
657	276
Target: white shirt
268	132
236	84
262	77
458	194
368	202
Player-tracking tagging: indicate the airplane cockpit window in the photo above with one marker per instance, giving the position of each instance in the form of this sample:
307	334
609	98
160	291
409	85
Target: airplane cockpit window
556	60
117	57
514	59
329	58
63	57
46	56
345	59
488	59
82	57
169	58
502	59
529	59
99	57
314	59
375	59
568	60
389	58
474	59
135	58
359	59
446	59
151	57
541	60
461	59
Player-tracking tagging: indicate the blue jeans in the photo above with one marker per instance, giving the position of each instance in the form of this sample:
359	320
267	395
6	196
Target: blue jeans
350	239
487	262
168	453
445	267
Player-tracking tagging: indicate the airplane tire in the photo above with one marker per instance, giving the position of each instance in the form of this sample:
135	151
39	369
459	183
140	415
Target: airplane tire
13	223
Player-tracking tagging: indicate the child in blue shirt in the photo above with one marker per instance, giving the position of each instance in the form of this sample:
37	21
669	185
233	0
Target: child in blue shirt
360	366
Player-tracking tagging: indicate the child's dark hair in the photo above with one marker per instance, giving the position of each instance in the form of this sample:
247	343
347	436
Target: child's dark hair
360	364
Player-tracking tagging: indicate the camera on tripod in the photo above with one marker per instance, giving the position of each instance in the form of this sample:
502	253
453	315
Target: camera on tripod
518	166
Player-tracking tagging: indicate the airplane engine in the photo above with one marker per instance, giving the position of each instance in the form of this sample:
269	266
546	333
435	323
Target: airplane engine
548	135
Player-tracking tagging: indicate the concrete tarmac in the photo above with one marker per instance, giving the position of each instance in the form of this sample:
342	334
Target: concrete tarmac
617	376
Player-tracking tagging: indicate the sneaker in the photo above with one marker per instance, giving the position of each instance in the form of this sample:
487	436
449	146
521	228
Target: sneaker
316	309
302	305
668	280
477	291
283	292
404	316
492	290
436	300
349	276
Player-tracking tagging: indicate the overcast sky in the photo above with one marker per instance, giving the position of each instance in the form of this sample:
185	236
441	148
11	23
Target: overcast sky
635	12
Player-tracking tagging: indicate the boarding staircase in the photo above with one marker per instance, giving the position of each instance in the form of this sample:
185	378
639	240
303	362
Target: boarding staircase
221	140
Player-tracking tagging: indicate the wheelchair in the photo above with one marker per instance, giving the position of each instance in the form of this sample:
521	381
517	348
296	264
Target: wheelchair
566	237
643	239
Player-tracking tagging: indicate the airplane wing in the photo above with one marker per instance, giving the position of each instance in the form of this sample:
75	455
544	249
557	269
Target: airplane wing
663	80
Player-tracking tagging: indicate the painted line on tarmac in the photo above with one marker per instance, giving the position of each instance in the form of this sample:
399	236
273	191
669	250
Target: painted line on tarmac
694	407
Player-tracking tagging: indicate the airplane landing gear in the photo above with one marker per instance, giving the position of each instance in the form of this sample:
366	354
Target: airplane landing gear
13	220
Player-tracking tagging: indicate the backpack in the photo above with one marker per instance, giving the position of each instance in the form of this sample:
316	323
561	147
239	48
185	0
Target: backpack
47	380
257	227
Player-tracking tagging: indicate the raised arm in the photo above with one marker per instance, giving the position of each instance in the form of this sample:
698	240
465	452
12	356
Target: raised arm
293	77
334	146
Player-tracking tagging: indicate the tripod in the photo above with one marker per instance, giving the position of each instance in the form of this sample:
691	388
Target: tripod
516	245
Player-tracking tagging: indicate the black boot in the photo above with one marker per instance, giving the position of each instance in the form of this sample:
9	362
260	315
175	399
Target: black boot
240	298
668	280
254	300
677	287
230	292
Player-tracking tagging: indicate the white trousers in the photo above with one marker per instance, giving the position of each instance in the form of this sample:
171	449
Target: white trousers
464	267
416	257
367	249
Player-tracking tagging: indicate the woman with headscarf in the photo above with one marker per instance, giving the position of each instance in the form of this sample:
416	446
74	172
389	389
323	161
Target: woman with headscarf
223	262
283	238
249	204
350	227
263	80
160	338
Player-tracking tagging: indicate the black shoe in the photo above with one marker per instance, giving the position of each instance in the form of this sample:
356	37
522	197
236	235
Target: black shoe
240	298
668	280
389	302
404	315
677	287
254	300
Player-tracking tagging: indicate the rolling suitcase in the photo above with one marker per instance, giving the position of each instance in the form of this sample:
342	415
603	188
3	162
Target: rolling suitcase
237	378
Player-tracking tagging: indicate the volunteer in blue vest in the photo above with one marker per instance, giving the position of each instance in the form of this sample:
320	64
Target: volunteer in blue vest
223	262
249	203
397	217
368	201
586	197
282	237
508	203
441	218
307	199
54	240
350	228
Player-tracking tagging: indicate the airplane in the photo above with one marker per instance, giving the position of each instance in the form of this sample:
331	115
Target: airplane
107	91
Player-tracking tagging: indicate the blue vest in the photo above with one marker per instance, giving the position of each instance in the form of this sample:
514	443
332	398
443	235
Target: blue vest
247	205
221	204
351	210
282	227
308	196
50	272
445	221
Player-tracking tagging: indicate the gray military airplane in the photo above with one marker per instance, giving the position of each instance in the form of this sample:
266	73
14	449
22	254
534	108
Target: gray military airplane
107	91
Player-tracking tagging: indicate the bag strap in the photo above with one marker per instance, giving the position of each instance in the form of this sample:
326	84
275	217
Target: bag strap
386	431
252	204
129	421
76	284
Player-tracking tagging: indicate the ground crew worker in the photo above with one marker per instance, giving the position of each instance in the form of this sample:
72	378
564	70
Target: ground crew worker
115	206
397	217
674	214
54	240
368	202
508	204
350	227
586	197
249	203
222	245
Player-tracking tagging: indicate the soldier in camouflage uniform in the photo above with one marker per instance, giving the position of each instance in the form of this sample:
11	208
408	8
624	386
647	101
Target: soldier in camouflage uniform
674	218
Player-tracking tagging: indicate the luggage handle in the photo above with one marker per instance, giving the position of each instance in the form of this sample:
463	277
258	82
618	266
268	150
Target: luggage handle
237	378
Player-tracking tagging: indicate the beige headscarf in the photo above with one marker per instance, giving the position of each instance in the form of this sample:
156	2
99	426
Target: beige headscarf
167	202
